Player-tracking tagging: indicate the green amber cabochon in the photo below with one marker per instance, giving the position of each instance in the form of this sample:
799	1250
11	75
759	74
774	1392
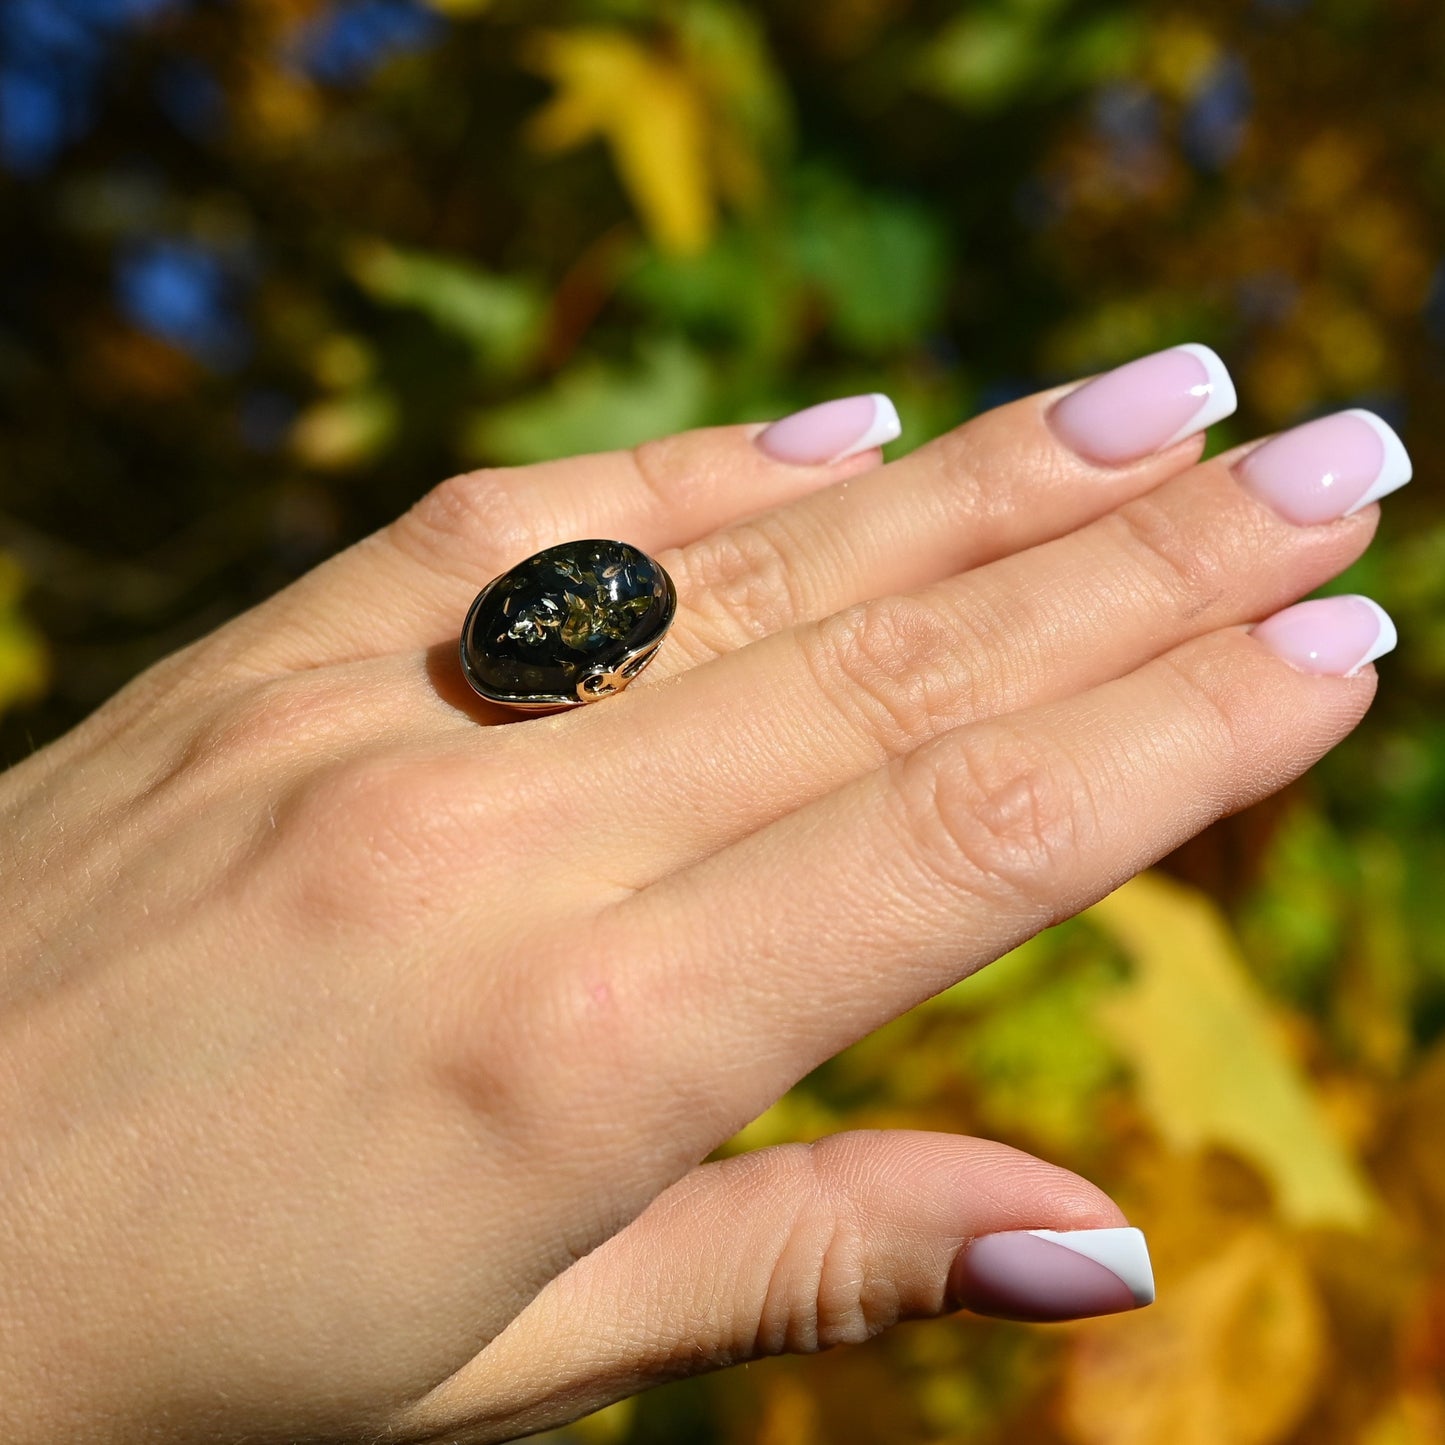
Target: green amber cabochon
569	611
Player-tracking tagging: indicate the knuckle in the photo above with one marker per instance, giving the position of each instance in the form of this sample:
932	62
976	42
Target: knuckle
742	584
995	815
257	726
524	1034
366	842
486	1041
476	510
657	464
1188	560
1210	687
990	466
589	1010
958	458
281	714
821	1288
896	664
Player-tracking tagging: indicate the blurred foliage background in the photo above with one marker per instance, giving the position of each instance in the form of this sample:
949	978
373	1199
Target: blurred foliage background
269	268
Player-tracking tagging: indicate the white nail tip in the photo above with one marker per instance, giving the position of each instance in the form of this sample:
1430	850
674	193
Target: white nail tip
884	428
1397	468
1123	1252
1218	390
1386	639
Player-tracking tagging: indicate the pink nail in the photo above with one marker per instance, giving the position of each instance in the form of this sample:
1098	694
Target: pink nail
1327	468
1330	636
1046	1274
1146	405
832	432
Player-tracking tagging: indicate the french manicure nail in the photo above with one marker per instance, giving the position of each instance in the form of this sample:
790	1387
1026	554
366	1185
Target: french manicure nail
1330	636
1146	405
1046	1274
1327	468
832	431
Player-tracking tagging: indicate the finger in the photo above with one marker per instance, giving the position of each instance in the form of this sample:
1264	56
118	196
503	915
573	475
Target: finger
961	500
1196	554
1008	479
794	1250
409	584
795	942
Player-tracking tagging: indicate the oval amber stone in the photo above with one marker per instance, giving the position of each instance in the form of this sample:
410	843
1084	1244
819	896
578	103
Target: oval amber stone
567	625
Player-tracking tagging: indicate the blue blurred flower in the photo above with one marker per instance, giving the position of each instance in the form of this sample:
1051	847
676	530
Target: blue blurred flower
348	41
34	120
1217	117
186	294
52	56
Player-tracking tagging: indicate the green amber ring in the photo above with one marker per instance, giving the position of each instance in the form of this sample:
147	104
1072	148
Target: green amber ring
568	626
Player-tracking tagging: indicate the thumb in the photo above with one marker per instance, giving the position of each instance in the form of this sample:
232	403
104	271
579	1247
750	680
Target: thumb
794	1249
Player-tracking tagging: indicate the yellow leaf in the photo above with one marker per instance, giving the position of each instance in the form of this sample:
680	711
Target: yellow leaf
606	1426
24	663
1415	1417
344	430
789	1415
796	1116
1411	1161
1212	1066
1230	1355
1180	55
652	115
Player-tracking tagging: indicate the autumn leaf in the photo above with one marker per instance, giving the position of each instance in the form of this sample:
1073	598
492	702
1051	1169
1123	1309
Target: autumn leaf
1212	1066
649	110
1232	1352
1415	1417
24	664
606	1427
343	431
460	9
790	1412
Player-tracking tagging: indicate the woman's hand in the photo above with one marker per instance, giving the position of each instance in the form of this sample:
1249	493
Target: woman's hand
358	1052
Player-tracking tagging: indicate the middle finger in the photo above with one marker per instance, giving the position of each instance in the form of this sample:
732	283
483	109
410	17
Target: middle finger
1007	479
876	681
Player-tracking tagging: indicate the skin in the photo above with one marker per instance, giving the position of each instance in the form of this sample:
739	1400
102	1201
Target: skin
359	1043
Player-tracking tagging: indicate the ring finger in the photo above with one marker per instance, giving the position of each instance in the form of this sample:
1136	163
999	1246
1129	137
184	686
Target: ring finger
811	932
836	526
1004	481
875	681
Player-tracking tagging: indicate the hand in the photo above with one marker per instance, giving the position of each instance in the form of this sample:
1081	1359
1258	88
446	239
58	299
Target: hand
359	1051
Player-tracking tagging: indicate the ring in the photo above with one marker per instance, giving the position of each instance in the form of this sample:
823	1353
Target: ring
570	625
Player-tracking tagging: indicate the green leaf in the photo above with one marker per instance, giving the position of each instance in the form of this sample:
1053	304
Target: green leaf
729	43
1040	1062
597	406
744	290
982	59
500	317
879	260
993	57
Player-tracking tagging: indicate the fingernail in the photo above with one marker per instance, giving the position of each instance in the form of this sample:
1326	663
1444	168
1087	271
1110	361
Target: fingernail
1327	468
1330	636
1146	405
832	432
1045	1274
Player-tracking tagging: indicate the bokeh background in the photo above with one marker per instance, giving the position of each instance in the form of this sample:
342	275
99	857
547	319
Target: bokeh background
270	268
